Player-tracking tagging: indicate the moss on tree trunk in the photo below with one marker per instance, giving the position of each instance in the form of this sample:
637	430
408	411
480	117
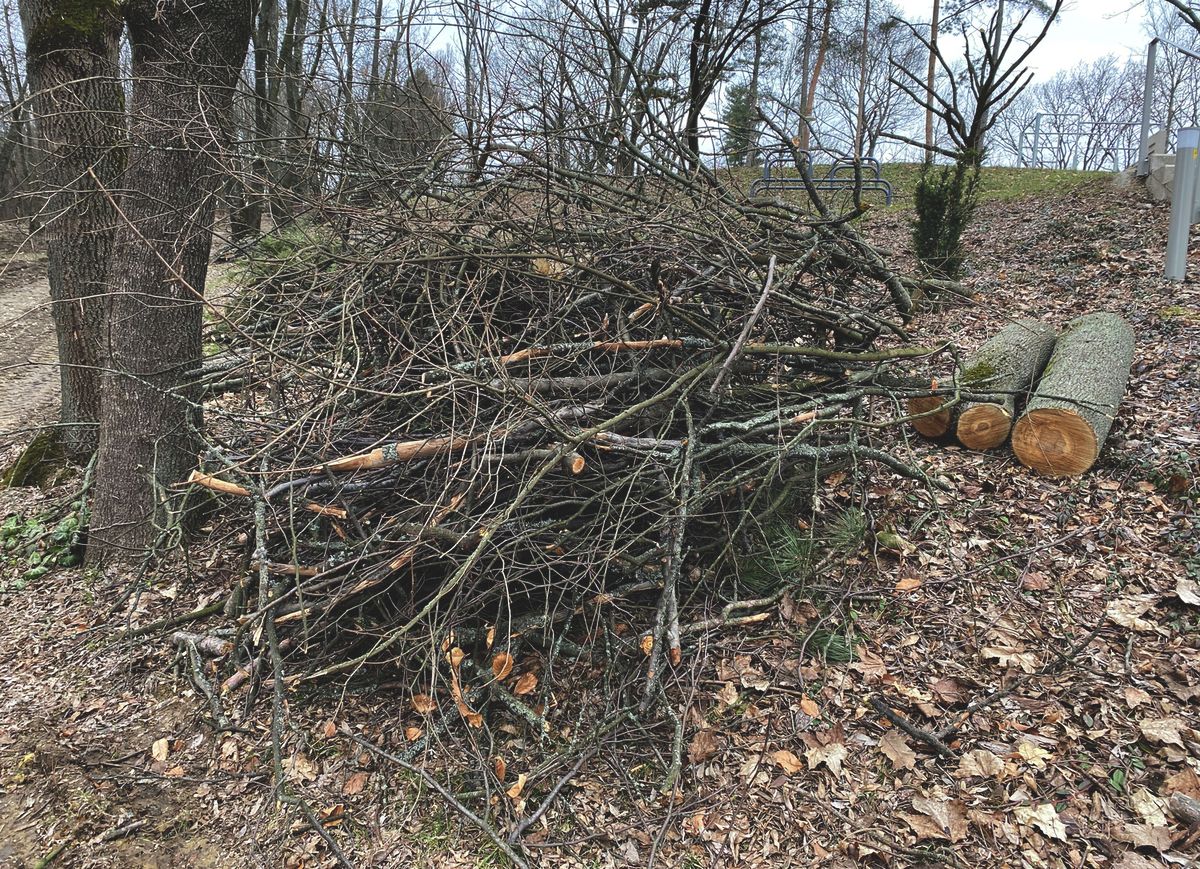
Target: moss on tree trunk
1007	366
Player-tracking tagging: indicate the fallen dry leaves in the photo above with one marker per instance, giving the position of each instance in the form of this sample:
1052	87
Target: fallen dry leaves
1082	762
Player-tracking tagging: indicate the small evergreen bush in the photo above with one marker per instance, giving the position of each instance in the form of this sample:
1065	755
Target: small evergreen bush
945	199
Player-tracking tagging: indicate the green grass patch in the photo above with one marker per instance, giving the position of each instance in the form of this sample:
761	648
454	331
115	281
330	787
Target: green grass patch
1180	312
997	183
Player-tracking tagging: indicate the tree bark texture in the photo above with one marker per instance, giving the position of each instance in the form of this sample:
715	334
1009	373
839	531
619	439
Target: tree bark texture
1008	365
186	61
931	75
1068	418
71	56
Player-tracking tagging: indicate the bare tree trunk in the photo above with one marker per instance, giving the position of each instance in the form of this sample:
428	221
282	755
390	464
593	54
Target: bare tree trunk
186	62
931	76
859	127
376	39
811	96
247	223
696	94
292	64
805	60
79	108
755	75
11	147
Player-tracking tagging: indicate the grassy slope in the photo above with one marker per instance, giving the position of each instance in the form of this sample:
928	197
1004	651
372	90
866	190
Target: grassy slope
1001	183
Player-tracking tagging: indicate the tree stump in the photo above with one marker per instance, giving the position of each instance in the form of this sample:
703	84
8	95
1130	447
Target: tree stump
1068	418
1008	365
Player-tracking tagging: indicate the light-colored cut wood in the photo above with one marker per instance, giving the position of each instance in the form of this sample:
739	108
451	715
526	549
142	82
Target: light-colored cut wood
1006	369
1069	416
932	425
1055	441
983	426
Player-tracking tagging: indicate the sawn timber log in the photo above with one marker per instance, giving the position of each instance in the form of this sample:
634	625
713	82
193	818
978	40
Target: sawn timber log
1007	367
1069	416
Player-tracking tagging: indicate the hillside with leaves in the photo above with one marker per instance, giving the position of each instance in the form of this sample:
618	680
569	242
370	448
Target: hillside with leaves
1002	669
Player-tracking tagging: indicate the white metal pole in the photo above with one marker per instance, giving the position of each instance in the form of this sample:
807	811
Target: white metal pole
1183	201
1147	106
1036	156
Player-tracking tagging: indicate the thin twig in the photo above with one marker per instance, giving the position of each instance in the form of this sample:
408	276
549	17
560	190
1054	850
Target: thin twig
911	729
528	822
736	350
509	850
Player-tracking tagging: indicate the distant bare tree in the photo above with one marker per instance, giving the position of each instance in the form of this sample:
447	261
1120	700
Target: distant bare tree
994	74
856	75
14	112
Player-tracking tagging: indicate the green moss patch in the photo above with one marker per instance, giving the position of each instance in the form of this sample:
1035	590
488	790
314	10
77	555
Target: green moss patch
41	464
1180	312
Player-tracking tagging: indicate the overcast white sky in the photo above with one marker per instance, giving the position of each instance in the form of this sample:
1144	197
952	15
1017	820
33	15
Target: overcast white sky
1086	29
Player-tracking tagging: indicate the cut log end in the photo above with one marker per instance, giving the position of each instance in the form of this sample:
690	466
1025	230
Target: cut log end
984	426
934	425
1055	441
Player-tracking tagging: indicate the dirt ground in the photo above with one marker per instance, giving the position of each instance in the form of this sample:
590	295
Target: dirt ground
28	355
1057	623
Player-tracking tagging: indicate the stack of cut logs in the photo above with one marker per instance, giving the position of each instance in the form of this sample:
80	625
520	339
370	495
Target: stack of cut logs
1070	385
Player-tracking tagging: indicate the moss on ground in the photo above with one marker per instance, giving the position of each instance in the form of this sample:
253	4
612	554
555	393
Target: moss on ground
1180	312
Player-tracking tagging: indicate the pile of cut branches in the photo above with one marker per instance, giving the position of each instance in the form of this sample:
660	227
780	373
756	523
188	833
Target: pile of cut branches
475	420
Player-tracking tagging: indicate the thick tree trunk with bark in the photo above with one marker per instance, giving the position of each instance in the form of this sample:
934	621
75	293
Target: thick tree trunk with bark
1068	418
186	61
1008	365
71	54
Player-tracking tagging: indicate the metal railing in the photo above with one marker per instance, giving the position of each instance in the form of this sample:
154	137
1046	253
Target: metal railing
866	173
1073	140
1143	165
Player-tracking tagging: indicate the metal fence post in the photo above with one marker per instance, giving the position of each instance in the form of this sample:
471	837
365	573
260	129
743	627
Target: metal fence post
1183	201
1037	141
1147	106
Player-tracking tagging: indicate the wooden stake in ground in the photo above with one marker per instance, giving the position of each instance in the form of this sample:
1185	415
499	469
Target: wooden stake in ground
1068	418
1008	365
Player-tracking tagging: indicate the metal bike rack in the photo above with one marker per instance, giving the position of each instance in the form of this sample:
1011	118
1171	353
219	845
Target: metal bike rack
870	172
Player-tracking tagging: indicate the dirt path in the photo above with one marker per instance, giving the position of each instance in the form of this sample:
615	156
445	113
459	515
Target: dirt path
28	370
28	350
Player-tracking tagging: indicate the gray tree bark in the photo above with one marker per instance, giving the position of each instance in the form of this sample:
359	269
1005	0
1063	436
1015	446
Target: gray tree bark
1008	365
1068	419
931	75
186	60
71	55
